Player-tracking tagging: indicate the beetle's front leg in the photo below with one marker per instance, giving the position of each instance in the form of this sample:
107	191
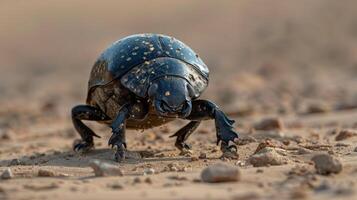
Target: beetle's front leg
135	110
118	133
203	110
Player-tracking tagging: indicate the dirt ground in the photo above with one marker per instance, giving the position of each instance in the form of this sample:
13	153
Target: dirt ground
293	61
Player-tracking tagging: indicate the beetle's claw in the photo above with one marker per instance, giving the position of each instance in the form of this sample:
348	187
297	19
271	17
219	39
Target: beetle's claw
120	152
185	149
229	151
81	146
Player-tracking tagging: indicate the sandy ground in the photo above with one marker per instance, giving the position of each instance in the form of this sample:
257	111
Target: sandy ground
295	61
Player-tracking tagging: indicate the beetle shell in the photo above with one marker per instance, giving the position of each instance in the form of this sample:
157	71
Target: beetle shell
129	66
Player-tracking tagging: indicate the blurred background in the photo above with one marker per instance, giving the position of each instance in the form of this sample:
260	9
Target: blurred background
279	57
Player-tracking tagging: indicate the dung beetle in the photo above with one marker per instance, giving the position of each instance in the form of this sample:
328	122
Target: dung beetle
147	80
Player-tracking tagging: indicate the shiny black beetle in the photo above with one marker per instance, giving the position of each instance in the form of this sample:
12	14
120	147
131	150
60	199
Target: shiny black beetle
146	80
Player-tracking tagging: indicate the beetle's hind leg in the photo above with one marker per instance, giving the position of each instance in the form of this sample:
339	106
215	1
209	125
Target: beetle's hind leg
183	134
86	112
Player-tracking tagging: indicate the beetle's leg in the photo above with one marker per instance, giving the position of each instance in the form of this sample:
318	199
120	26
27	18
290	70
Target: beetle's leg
118	132
86	112
182	136
203	110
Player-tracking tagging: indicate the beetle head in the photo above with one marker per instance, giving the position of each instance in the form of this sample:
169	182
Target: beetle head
171	96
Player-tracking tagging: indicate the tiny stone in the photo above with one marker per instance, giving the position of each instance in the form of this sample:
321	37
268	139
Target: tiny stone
192	159
45	173
116	186
220	173
149	171
266	157
345	134
105	169
6	134
7	174
148	180
355	150
136	180
325	164
240	163
202	156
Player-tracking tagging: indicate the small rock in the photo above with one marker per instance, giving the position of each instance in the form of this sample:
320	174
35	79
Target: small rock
220	173
6	134
317	108
266	157
7	174
269	124
240	163
355	150
344	134
262	145
105	169
193	158
325	164
116	186
148	180
202	156
46	173
136	180
172	167
149	171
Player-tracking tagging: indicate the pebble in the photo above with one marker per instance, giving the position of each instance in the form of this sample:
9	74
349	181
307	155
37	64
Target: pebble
193	158
266	157
172	167
7	174
105	169
325	164
136	180
202	156
148	180
355	150
220	173
317	108
269	124
149	171
45	173
116	186
345	134
6	134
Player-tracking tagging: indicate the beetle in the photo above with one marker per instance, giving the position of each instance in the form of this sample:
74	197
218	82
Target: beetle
147	80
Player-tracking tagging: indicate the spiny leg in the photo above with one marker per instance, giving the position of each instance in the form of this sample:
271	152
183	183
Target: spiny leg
203	110
86	112
182	136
